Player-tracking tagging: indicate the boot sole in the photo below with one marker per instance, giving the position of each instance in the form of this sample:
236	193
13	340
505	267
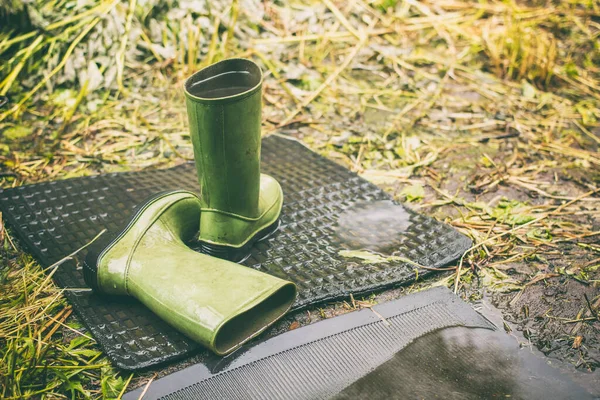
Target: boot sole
239	254
90	263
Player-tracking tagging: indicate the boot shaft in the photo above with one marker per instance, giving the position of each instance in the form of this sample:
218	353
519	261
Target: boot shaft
217	303
224	111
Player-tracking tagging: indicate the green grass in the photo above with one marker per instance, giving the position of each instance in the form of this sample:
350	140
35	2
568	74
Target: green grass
44	352
483	114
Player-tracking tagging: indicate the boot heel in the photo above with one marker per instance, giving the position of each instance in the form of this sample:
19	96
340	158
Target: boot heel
224	252
90	263
238	254
90	274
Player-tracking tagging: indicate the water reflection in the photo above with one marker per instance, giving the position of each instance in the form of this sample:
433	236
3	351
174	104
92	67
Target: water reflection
377	226
462	363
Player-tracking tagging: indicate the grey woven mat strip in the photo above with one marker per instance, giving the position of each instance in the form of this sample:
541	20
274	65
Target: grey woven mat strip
320	360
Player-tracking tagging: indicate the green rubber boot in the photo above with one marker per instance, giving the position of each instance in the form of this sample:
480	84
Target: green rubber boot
215	302
239	204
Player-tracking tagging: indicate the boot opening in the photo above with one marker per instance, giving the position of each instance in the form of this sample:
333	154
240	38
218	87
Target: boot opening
250	323
224	79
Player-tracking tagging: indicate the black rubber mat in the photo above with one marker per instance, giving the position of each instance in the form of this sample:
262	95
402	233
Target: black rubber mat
320	360
326	209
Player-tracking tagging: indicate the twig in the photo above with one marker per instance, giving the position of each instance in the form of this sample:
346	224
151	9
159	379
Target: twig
318	37
381	317
338	14
588	133
589	304
7	83
325	84
122	392
146	387
123	47
57	264
212	48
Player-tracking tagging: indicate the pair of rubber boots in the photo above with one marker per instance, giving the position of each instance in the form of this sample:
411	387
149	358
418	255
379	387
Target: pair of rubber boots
207	297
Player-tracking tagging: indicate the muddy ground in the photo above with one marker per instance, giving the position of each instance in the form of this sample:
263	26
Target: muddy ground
556	313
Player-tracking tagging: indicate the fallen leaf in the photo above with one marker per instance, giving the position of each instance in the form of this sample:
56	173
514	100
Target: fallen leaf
373	258
528	90
17	132
413	192
364	255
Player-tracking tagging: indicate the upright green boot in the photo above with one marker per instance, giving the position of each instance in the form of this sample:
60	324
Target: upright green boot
215	302
239	204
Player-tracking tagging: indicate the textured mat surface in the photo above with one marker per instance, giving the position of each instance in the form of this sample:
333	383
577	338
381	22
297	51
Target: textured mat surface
326	209
321	360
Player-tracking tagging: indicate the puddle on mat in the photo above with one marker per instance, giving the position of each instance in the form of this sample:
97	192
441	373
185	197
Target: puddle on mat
378	226
465	363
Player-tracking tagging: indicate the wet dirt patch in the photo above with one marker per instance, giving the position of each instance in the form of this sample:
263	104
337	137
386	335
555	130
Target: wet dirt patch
555	316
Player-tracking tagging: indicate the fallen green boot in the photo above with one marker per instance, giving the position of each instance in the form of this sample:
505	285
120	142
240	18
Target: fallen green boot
239	204
215	302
